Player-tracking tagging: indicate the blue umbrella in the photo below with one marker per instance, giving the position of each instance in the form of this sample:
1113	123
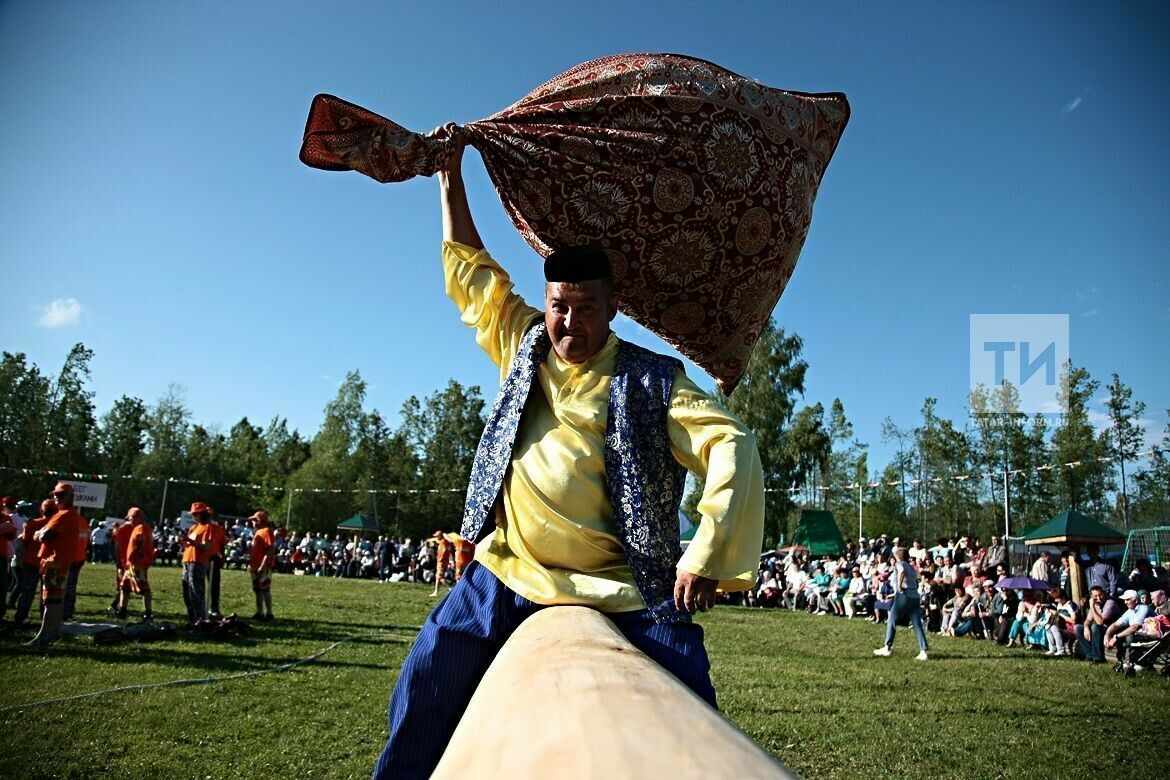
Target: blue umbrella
1022	583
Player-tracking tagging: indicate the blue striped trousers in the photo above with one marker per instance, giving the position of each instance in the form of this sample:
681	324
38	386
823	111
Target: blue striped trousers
459	641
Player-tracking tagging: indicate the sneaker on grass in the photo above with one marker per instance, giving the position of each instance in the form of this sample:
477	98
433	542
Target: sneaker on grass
921	656
882	651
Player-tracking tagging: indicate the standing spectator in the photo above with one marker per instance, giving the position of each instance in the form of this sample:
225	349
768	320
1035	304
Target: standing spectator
121	586
139	557
99	543
197	545
17	512
1044	570
58	540
996	555
30	559
1142	577
218	538
1101	573
261	564
7	539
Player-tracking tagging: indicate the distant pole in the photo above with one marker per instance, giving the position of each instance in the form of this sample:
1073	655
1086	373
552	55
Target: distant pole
1007	517
860	514
1124	496
288	511
374	499
162	510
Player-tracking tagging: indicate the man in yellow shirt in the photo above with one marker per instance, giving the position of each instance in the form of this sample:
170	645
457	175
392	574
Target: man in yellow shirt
575	490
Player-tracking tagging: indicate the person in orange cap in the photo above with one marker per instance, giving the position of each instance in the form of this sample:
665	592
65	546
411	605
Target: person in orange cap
121	585
442	558
196	546
261	564
218	538
30	560
139	557
59	546
80	556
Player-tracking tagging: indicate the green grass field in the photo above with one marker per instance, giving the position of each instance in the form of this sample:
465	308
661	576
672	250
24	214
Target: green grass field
805	687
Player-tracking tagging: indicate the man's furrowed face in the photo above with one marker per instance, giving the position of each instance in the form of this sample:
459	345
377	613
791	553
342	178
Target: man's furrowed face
577	315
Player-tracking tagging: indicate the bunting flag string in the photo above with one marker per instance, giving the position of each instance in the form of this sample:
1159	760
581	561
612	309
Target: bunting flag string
1011	472
59	474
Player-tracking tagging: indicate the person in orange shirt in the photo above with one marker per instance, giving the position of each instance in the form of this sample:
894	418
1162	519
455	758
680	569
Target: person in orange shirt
59	546
121	586
261	563
196	546
80	555
464	552
215	560
442	559
30	560
139	557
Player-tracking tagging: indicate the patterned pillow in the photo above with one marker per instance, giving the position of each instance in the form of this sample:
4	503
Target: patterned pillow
699	184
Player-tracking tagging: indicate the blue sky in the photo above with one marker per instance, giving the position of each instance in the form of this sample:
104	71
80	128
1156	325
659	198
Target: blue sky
1004	158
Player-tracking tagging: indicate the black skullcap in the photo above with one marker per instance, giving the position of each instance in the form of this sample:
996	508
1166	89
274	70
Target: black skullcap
577	264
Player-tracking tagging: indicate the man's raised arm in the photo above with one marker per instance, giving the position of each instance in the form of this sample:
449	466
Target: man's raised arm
458	225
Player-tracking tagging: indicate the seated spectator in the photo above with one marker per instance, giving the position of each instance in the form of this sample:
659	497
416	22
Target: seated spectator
818	591
1100	613
1119	635
1062	623
837	594
883	602
768	593
1038	621
1025	613
917	553
948	571
855	596
795	582
1003	610
932	598
953	611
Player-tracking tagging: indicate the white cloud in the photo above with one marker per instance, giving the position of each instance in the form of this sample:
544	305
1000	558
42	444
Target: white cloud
1074	104
60	313
1091	312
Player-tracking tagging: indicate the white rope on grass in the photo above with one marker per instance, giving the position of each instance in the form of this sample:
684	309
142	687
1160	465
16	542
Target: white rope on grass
201	680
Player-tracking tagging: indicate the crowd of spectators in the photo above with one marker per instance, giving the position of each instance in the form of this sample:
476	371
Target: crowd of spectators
960	593
318	554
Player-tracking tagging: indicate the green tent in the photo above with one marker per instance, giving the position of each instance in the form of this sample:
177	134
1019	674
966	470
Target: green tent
817	530
1071	526
359	523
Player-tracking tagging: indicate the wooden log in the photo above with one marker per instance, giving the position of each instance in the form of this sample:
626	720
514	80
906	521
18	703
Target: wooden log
569	697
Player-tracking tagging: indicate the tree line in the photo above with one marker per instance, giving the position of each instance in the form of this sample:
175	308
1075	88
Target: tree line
411	477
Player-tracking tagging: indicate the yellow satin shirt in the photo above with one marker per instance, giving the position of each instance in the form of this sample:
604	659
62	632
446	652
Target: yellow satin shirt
556	542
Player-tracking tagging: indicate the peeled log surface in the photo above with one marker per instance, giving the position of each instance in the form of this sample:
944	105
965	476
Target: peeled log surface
569	697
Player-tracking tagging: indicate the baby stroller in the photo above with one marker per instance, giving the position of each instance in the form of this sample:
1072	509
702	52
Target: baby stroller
1146	651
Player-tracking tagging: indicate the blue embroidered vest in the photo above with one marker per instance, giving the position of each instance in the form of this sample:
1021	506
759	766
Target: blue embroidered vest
644	482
